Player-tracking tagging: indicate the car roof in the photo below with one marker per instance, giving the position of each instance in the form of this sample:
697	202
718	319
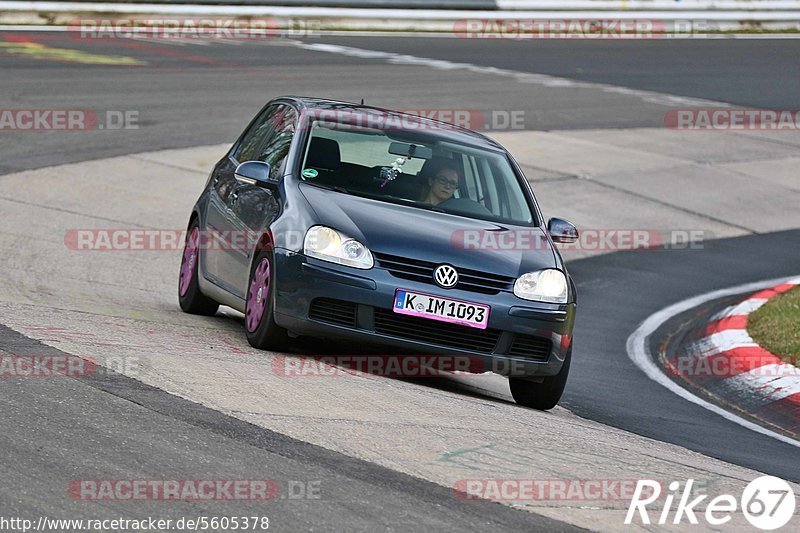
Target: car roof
444	130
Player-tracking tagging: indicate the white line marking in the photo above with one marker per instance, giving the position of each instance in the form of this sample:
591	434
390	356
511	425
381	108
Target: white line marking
173	42
748	306
638	347
722	341
194	42
32	27
521	77
744	308
774	382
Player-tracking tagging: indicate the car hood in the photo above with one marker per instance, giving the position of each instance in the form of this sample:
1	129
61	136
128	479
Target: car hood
430	236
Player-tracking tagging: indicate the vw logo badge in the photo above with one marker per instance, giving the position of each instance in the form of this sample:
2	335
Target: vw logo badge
445	276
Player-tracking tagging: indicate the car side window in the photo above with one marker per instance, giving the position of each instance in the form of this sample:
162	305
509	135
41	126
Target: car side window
485	184
490	186
469	178
275	146
255	136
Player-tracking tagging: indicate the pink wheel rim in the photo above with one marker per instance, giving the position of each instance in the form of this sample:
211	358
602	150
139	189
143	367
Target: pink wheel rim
189	261
257	296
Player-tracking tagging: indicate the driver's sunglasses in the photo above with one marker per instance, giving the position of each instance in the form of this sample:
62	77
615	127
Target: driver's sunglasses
442	180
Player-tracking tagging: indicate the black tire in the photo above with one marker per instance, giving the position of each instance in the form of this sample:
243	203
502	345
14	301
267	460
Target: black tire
190	298
544	395
266	335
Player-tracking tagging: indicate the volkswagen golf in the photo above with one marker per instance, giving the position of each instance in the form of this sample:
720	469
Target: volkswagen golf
337	220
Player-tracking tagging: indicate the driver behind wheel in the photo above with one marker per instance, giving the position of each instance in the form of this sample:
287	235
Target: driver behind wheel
442	182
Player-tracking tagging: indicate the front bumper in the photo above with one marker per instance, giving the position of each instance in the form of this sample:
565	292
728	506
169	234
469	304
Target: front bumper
302	280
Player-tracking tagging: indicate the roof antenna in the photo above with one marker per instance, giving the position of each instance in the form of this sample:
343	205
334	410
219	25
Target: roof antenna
362	101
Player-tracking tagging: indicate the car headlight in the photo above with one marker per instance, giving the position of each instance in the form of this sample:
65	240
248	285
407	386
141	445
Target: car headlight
330	245
548	285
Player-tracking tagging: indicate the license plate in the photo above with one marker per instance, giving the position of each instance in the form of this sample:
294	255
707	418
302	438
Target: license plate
443	309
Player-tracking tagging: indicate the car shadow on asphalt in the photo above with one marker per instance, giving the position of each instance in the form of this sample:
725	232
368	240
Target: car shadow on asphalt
329	349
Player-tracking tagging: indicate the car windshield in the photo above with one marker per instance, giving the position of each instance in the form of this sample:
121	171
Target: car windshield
415	168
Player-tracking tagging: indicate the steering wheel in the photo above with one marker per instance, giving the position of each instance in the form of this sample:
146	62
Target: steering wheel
465	205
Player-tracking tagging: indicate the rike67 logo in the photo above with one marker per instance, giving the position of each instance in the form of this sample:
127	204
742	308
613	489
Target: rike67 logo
768	503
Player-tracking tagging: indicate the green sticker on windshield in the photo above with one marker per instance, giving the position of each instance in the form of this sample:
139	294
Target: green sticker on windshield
310	173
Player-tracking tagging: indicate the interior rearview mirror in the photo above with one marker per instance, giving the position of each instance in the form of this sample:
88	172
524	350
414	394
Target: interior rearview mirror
413	151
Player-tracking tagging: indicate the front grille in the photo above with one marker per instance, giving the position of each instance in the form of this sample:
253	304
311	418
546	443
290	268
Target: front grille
443	334
422	271
530	347
435	332
333	312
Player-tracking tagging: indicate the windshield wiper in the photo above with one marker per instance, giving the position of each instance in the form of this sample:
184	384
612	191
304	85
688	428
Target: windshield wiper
330	187
380	197
414	203
431	208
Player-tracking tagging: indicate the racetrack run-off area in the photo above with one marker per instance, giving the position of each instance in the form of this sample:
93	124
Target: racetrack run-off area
190	399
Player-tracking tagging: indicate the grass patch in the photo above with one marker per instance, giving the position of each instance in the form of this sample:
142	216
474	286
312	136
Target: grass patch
776	326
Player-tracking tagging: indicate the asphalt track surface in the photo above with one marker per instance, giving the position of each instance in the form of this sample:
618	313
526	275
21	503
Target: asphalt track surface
197	95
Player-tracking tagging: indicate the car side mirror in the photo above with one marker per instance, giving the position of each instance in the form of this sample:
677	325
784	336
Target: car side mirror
255	173
561	230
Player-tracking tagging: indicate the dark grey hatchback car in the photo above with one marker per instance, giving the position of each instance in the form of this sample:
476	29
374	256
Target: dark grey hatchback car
337	220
